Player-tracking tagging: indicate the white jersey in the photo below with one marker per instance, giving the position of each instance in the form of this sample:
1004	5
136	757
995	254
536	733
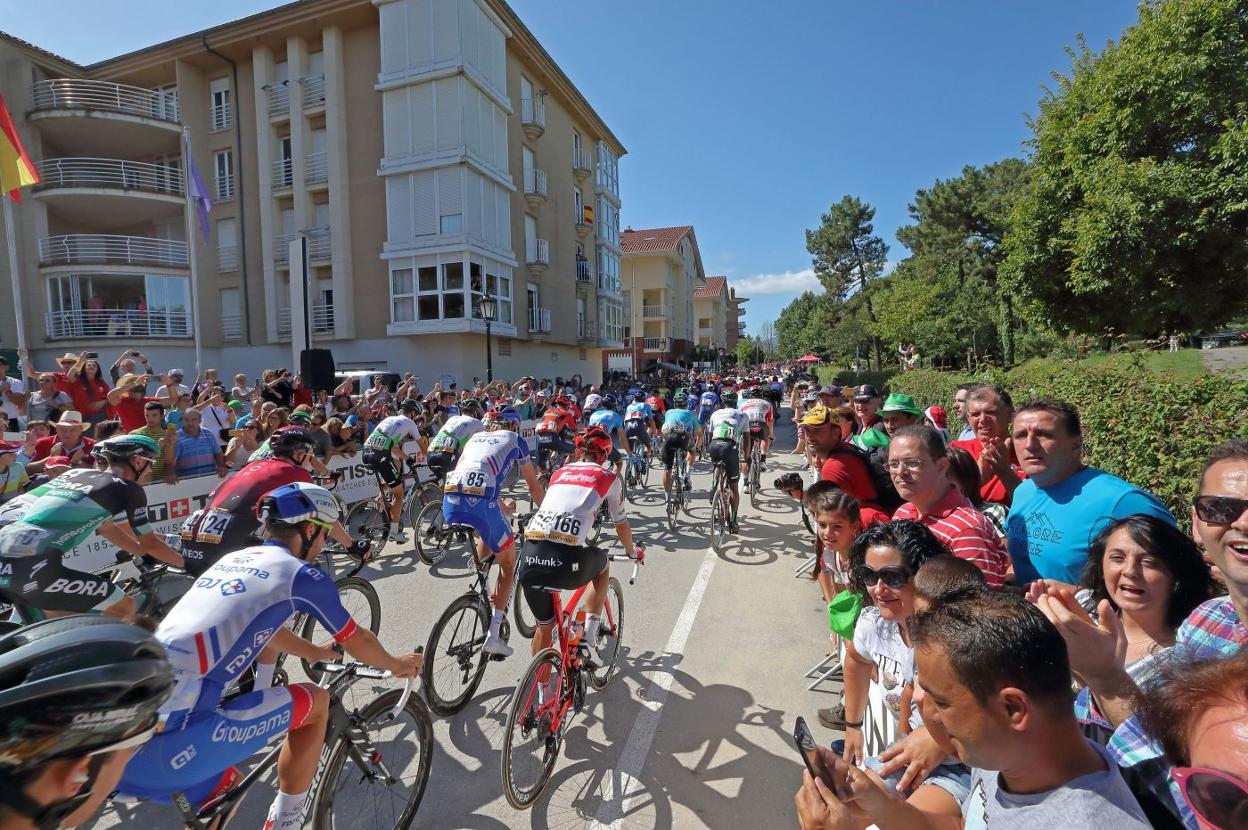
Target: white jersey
484	463
571	503
593	401
392	431
454	433
728	424
756	409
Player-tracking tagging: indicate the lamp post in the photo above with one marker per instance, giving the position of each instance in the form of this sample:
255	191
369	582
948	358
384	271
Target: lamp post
489	308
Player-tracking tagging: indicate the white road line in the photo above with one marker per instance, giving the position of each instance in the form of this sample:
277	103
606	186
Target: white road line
618	787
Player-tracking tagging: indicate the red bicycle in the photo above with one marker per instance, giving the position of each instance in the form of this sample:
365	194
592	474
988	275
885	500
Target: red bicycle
553	688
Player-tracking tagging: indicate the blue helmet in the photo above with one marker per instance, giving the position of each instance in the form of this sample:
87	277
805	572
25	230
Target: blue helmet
639	397
680	399
294	504
505	415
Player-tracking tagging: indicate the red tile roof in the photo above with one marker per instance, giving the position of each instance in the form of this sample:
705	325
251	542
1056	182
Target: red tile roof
652	240
713	288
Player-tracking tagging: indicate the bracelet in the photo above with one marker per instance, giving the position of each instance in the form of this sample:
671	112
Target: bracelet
852	725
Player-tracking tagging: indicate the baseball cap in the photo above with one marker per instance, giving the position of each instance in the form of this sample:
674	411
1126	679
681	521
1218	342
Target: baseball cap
819	415
897	402
830	389
865	392
235	404
175	372
61	461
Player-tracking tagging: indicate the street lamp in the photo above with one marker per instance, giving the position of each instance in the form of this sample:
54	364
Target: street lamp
489	308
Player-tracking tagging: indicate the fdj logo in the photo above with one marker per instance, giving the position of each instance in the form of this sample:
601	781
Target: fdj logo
234	586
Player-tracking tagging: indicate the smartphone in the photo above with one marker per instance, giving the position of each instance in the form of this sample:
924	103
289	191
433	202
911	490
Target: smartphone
92	355
806	746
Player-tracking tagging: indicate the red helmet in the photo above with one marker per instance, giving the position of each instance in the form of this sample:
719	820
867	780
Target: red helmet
594	441
564	401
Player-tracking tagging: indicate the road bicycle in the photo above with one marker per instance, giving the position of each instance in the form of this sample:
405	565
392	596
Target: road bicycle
756	462
636	466
553	689
722	516
455	663
678	496
370	519
373	769
554	460
434	539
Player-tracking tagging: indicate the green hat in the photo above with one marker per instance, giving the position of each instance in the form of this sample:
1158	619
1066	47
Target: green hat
898	402
300	418
235	404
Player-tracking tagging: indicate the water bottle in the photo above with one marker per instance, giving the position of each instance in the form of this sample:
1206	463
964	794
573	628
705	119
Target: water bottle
578	629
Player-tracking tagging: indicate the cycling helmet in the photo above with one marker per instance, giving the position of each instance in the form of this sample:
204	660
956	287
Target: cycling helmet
746	394
296	503
564	401
290	439
594	441
729	398
640	397
680	399
75	685
410	405
126	446
503	416
300	418
471	405
608	401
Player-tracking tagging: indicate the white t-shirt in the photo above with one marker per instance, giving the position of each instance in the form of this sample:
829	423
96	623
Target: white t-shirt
7	407
215	419
879	640
163	392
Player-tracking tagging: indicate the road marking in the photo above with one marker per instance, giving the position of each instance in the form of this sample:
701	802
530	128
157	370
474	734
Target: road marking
617	785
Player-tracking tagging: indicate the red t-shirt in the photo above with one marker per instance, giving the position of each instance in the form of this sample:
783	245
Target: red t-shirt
130	411
82	398
993	489
43	448
302	396
849	472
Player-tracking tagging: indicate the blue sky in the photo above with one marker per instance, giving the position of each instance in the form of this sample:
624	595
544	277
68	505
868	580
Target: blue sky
745	120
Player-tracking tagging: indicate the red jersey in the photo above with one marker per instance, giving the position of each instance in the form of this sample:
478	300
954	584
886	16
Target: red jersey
556	420
656	403
240	492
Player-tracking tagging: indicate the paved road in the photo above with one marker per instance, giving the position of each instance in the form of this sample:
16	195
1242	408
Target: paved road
694	731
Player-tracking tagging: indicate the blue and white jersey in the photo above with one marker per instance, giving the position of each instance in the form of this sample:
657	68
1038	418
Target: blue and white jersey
708	402
680	420
484	463
640	410
219	627
609	420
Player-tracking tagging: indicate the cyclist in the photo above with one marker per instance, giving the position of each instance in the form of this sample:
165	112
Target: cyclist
488	464
298	419
238	607
679	425
728	427
555	431
639	423
384	455
54	518
656	403
77	694
555	553
613	424
592	401
569	403
762	419
446	446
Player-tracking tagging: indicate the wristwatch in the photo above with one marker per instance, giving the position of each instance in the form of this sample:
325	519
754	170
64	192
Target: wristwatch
852	725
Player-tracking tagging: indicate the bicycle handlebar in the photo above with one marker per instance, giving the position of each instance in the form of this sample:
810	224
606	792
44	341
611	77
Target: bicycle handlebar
638	561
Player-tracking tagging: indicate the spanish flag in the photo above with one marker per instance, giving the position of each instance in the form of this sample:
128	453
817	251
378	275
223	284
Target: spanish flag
16	169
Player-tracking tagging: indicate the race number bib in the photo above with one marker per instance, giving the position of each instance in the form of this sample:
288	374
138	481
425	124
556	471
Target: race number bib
378	441
467	482
207	526
555	527
23	540
725	431
674	428
443	442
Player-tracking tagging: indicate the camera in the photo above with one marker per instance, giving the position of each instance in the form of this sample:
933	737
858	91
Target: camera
789	482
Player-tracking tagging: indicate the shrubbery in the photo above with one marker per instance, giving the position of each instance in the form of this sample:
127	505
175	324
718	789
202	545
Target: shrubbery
1151	429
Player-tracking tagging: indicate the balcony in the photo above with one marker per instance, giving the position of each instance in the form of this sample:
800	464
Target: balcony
125	324
103	96
741	329
538	257
656	312
279	99
231	327
582	165
539	321
322	320
111	174
222	117
533	117
584	273
316	168
283	174
104	193
534	187
313	90
586	330
107	249
129	120
655	344
227	258
320	246
584	228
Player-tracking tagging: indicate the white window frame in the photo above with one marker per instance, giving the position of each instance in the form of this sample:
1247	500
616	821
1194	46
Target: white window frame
221	115
223	174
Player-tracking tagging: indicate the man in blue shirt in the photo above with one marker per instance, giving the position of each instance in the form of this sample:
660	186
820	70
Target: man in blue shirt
1062	505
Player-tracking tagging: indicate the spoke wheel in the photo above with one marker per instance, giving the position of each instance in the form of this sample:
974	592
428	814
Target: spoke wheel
520	611
675	496
382	790
531	744
611	633
370	521
432	540
359	598
719	520
454	662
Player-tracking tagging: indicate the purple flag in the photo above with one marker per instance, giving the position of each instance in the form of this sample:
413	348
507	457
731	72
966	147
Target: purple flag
198	192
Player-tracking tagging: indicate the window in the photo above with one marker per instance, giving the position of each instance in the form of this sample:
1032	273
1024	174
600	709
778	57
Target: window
451	223
227	245
231	314
608	216
608	269
578	205
118	305
608	171
498	284
402	296
577	161
432	292
220	104
611	320
223	165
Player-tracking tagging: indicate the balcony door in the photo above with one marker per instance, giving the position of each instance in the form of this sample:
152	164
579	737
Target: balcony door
533	295
530	238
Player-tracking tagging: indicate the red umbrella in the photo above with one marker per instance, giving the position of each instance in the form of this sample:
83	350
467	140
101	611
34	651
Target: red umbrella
810	358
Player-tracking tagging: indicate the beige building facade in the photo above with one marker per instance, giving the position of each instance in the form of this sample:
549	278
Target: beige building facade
429	153
734	323
710	308
662	267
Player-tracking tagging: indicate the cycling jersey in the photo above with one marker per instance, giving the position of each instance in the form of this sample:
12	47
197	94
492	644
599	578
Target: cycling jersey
656	404
212	635
636	411
680	420
455	433
728	424
707	404
261	453
556	421
609	420
228	522
485	462
571	503
393	431
757	410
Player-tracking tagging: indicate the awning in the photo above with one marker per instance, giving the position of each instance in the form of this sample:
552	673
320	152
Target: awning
660	364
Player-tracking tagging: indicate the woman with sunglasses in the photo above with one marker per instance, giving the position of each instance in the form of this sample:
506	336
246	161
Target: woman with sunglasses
243	442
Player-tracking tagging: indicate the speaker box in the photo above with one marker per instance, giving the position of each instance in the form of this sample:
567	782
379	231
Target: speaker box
317	368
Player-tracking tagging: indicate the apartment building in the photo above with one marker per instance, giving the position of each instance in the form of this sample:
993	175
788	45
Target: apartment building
734	323
710	309
430	153
662	267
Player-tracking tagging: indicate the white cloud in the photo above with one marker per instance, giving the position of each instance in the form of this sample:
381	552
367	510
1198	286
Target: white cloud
789	282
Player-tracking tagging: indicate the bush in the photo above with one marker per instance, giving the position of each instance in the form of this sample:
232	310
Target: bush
844	377
1152	429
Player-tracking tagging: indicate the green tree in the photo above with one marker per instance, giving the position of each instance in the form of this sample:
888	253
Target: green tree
794	327
1137	217
749	352
848	255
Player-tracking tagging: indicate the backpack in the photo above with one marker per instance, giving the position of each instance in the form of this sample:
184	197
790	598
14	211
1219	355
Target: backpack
876	461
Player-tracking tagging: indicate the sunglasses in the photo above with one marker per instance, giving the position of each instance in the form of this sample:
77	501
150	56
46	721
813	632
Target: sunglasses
1219	799
894	576
1219	510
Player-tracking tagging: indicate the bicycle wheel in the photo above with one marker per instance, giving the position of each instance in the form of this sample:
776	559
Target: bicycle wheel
719	521
371	521
674	497
359	598
595	530
531	745
612	634
425	494
521	613
379	782
454	662
432	541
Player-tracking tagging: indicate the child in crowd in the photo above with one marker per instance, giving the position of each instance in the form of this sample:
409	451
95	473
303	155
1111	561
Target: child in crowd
12	473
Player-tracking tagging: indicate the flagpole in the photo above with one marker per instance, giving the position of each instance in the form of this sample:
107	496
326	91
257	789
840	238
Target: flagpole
190	247
11	238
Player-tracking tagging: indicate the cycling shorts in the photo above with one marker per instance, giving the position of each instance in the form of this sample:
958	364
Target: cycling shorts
758	429
673	442
382	463
547	564
635	430
723	451
548	442
241	532
704	415
442	462
43	582
190	760
483	515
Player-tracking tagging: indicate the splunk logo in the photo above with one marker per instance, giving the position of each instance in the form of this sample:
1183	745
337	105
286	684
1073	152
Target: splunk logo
225	733
549	562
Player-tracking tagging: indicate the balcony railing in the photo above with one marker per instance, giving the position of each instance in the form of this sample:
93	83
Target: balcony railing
313	90
534	185
656	311
586	329
281	247
319	247
322	320
120	323
539	254
583	271
533	116
225	187
71	93
227	258
316	168
106	249
279	98
221	117
283	322
656	344
582	164
283	174
109	173
231	327
539	320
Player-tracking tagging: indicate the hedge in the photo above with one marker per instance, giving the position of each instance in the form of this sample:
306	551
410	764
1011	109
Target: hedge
1149	428
844	377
